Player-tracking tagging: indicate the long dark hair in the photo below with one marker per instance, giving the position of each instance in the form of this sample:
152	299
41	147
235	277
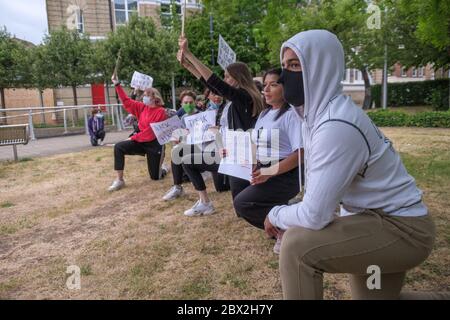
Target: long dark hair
241	73
286	106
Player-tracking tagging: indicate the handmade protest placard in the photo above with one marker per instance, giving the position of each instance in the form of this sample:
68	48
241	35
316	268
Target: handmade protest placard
226	55
198	125
164	130
239	159
141	81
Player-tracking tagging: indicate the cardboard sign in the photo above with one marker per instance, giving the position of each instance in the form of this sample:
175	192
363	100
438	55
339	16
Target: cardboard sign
239	160
226	55
198	125
164	130
141	81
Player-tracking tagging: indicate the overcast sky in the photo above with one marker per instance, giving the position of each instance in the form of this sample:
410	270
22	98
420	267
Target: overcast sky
26	19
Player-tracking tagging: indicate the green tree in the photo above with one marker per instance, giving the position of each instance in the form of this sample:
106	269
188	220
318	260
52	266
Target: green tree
143	48
429	37
102	63
237	22
69	53
433	21
363	47
38	62
13	67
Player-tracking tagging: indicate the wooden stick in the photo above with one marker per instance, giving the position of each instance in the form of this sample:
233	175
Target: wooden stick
119	57
183	18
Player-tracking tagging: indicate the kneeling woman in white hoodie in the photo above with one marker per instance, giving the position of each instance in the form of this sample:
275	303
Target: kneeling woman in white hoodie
275	180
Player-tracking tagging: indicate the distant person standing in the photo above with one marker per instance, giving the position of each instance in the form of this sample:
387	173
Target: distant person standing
96	125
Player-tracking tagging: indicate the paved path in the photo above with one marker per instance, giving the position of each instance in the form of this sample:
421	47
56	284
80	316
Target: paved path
58	145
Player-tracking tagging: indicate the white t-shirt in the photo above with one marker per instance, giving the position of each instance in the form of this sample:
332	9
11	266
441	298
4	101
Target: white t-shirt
267	128
223	122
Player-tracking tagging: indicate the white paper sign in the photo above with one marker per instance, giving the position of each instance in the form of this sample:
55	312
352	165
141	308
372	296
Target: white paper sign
226	55
141	81
198	125
164	130
239	160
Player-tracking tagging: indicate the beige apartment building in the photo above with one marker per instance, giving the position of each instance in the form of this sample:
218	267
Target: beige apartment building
98	17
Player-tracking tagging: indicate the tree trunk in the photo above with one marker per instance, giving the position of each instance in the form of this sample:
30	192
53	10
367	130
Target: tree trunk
3	106
41	99
367	91
75	102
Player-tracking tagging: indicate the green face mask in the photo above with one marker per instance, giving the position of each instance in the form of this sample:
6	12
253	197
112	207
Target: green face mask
188	107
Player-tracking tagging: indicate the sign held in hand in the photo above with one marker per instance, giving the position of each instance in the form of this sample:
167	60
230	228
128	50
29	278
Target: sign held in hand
141	81
164	130
198	125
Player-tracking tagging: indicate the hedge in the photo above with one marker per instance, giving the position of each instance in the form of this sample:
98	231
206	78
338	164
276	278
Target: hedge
430	92
433	119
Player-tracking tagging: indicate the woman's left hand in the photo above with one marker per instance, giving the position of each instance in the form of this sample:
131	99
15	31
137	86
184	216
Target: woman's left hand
258	178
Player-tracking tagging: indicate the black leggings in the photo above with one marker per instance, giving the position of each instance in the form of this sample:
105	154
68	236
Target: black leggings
254	202
153	150
196	163
178	174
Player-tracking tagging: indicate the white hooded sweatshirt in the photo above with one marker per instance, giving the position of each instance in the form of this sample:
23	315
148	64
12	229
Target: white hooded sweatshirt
348	160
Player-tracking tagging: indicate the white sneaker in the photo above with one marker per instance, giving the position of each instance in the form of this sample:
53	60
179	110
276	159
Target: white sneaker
277	246
200	209
117	185
165	167
164	171
173	193
101	143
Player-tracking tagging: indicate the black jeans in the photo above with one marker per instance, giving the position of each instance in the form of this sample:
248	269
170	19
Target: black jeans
255	202
196	163
178	152
153	150
97	135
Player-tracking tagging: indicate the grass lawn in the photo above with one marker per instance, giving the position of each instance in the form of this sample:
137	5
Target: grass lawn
56	212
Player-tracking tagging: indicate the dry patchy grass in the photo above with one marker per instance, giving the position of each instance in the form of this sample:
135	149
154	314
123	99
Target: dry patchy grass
55	212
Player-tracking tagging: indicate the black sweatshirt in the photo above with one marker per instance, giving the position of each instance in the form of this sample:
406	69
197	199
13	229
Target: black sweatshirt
241	108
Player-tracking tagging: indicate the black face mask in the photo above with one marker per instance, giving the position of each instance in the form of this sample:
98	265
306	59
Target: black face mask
292	82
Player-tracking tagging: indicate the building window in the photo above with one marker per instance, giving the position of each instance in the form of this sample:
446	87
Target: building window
414	72
403	72
124	10
80	21
421	69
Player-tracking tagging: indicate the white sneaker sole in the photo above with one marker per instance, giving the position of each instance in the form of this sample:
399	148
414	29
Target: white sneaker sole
114	189
173	198
111	189
199	214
